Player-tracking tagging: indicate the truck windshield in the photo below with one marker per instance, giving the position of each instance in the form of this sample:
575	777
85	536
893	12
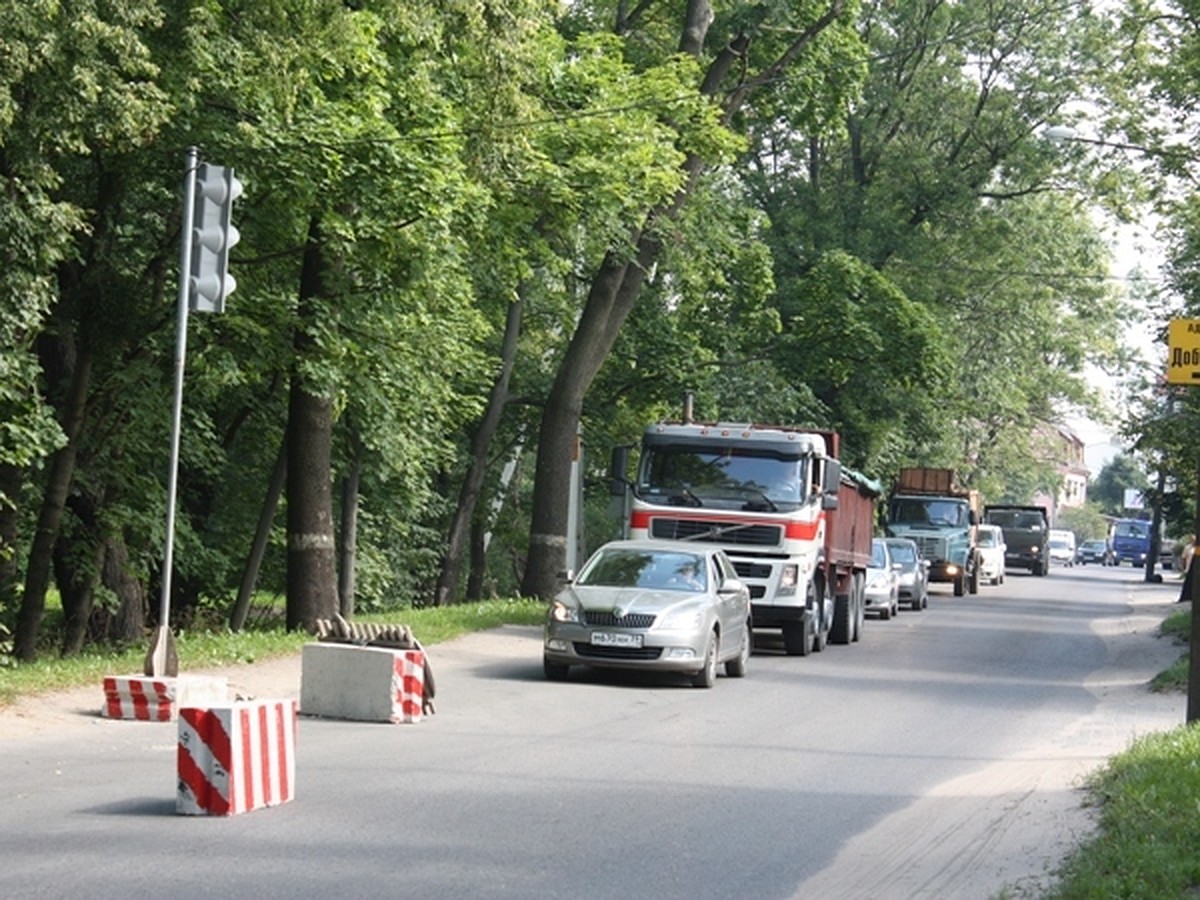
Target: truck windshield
938	511
1138	530
703	476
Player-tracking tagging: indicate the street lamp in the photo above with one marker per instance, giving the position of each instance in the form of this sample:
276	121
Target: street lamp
1181	156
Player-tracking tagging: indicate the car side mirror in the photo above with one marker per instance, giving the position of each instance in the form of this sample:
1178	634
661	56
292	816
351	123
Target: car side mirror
730	586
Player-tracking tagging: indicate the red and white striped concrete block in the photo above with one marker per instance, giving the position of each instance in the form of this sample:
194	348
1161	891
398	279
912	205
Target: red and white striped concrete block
159	699
408	685
236	758
362	684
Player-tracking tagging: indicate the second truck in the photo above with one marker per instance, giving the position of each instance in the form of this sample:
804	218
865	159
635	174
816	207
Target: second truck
927	507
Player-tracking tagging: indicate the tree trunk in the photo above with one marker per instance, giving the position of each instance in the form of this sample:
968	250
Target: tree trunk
129	624
349	539
10	489
311	580
77	562
58	484
472	486
613	293
478	571
241	606
311	577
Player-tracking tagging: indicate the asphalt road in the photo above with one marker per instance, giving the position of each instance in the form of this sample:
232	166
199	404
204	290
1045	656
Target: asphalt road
940	757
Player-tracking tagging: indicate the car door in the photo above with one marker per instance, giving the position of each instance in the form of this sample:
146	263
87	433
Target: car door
730	607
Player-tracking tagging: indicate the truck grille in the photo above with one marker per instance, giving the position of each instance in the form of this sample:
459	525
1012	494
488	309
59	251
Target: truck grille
747	569
931	547
728	533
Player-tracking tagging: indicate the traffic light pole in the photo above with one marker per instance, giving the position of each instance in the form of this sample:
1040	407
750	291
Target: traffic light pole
162	658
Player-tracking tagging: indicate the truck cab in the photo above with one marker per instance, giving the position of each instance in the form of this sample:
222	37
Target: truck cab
943	528
1129	541
928	507
1026	535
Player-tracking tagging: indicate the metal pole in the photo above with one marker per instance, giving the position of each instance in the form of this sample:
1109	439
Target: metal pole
1193	696
161	657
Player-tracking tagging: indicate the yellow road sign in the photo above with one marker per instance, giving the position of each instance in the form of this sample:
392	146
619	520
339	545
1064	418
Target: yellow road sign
1183	351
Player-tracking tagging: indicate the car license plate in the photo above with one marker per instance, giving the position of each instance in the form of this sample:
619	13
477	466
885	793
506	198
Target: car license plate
615	639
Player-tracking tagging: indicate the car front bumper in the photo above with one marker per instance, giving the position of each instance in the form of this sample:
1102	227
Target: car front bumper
570	644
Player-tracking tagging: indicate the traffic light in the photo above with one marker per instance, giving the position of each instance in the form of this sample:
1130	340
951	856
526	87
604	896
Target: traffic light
213	233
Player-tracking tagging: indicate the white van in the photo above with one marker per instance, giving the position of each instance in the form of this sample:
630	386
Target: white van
1062	546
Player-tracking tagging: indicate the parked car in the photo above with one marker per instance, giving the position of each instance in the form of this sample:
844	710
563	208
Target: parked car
651	605
883	581
1094	551
992	550
913	571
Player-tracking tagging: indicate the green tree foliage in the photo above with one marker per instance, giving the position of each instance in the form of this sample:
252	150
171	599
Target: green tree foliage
1120	474
470	227
937	183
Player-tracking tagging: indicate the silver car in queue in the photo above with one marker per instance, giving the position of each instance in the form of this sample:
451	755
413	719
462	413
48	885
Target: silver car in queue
651	605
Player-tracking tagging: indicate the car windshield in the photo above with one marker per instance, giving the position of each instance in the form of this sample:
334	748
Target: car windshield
661	570
878	555
987	539
903	553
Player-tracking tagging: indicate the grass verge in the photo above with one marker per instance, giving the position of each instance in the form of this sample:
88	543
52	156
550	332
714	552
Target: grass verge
215	648
1149	802
1149	797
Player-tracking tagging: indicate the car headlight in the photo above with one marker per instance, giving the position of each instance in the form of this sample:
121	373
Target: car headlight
681	618
788	576
561	612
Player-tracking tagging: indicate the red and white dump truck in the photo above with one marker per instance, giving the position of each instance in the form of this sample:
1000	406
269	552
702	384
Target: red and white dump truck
796	523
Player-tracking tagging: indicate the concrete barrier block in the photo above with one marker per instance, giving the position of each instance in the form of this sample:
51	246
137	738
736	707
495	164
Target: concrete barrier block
160	699
365	684
237	758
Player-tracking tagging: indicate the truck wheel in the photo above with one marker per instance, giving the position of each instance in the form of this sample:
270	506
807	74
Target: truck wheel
860	604
798	637
842	631
960	585
973	582
823	624
820	636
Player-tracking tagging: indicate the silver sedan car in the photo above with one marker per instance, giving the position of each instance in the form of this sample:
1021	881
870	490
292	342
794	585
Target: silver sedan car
653	605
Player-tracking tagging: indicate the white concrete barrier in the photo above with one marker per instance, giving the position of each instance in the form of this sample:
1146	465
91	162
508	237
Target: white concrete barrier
160	699
365	684
236	758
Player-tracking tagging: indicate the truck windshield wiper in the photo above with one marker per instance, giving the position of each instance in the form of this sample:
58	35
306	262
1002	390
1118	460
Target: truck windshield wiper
761	495
685	497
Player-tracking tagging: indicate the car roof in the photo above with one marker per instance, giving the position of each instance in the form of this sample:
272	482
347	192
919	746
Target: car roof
661	546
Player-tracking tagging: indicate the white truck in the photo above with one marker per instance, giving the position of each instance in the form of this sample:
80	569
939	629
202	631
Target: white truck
797	525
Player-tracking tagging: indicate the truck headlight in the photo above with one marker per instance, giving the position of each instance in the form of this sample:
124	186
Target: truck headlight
788	576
